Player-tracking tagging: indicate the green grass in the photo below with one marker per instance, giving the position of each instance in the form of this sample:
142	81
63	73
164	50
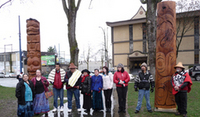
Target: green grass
193	107
7	93
8	102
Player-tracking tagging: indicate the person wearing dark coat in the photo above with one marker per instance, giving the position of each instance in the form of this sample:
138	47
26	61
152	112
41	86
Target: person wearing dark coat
75	76
25	94
86	90
145	82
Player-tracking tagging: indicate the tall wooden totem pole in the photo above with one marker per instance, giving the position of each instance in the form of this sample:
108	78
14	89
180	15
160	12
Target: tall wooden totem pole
33	47
165	54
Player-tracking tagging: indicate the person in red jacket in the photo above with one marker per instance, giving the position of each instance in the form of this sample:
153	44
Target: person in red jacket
181	84
121	79
56	77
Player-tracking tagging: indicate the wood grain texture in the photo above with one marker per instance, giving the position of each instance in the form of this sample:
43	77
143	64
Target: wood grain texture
33	47
165	54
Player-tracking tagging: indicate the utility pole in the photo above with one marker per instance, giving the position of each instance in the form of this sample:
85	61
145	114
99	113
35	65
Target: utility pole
106	51
20	52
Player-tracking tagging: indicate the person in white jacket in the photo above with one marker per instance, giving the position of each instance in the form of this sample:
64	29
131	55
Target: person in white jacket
107	87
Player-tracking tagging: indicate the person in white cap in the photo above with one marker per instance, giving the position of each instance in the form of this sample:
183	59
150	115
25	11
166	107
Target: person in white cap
143	81
181	83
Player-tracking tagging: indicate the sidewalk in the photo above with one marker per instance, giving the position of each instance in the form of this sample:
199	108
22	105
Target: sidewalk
9	82
75	113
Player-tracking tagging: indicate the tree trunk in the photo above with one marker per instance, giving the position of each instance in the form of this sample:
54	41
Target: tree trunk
71	10
151	33
74	51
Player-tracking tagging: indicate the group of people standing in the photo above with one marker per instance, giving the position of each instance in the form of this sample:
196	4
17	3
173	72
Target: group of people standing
32	100
31	95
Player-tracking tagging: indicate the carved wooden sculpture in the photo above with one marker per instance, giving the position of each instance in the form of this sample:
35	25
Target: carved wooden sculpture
33	47
165	54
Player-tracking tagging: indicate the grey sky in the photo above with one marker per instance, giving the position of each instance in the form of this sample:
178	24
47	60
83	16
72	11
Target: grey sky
53	22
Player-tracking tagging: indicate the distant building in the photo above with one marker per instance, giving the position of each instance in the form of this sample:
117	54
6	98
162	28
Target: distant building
13	63
130	45
91	66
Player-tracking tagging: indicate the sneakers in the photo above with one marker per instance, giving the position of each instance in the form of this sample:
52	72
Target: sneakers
69	110
54	110
79	110
61	108
137	111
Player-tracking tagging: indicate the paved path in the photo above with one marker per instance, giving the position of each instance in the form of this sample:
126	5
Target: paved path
9	82
75	113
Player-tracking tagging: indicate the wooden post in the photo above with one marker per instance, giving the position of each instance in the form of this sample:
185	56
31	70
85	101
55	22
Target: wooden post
33	47
165	56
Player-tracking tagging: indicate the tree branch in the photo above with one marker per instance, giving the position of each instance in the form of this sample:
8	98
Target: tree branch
65	7
78	5
5	3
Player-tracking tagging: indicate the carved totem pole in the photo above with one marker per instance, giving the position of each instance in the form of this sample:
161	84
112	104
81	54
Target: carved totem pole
33	47
165	54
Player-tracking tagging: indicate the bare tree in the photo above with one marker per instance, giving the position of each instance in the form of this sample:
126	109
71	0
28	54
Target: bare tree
151	32
87	57
187	10
3	4
70	9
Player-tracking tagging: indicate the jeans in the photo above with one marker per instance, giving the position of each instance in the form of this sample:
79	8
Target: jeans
143	93
58	93
121	92
76	93
181	101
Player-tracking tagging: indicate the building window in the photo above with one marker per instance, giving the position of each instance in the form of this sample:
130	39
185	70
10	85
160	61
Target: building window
144	37
196	40
130	38
8	57
1	58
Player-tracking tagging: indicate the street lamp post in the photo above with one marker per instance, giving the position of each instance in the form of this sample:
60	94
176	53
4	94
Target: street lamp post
20	52
106	51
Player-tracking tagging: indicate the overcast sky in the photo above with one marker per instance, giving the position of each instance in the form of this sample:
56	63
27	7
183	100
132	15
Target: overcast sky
53	22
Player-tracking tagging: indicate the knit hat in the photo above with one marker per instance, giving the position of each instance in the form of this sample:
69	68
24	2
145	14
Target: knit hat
120	65
144	64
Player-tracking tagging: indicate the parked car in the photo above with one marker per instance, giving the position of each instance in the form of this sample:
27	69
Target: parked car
194	72
12	75
2	75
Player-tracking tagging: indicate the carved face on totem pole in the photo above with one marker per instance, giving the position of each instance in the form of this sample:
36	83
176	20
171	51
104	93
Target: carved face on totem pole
165	54
33	47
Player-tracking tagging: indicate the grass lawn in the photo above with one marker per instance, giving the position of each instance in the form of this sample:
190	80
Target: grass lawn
193	107
8	102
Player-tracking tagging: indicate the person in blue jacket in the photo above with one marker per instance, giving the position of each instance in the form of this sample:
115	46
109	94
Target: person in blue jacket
96	89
